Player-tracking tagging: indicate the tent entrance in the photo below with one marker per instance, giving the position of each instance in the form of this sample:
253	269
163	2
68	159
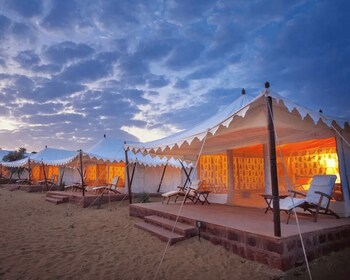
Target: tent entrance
248	176
102	173
213	170
38	174
302	160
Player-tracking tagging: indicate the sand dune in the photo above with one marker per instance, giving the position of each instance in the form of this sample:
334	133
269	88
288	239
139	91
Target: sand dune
40	240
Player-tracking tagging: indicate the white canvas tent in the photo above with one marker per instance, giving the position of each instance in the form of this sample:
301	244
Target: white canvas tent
58	159
234	150
148	170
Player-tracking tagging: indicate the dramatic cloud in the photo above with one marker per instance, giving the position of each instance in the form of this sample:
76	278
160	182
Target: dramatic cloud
73	70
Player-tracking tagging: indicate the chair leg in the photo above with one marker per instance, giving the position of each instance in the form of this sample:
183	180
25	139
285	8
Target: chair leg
289	213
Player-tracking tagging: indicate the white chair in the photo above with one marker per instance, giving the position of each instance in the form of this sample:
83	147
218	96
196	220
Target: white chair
315	201
108	187
188	193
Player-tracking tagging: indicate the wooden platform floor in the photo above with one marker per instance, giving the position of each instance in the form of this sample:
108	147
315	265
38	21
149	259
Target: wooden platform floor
249	232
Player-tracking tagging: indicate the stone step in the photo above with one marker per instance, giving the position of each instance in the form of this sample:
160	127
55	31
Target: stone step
61	194
54	200
58	197
180	228
161	233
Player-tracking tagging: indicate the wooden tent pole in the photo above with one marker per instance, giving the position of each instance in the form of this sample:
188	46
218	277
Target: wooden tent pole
45	178
187	174
81	171
29	173
161	179
273	166
127	173
132	174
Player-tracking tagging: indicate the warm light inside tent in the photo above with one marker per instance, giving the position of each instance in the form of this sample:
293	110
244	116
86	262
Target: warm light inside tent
99	174
38	173
303	160
213	170
248	170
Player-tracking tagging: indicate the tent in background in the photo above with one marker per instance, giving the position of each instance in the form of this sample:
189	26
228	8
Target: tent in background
235	159
108	160
49	163
4	173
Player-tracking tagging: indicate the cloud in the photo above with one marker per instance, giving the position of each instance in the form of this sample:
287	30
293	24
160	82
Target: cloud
184	55
27	59
87	71
25	8
5	24
52	89
63	14
67	51
157	81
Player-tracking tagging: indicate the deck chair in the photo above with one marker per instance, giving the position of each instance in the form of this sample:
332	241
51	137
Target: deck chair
108	187
188	193
76	187
49	182
191	193
315	201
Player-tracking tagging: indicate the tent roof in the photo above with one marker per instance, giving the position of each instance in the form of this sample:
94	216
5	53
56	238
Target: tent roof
3	153
112	150
243	123
49	156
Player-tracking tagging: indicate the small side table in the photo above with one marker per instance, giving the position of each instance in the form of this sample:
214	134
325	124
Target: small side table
204	195
268	199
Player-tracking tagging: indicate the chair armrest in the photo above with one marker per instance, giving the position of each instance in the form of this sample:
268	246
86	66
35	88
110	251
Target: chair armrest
297	193
323	194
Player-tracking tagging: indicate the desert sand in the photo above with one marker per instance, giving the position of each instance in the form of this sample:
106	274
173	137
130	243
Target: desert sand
40	240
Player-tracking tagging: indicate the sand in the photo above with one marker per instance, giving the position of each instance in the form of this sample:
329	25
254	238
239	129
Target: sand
40	240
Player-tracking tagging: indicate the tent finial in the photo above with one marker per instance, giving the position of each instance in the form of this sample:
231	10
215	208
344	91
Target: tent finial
267	85
320	111
243	91
104	136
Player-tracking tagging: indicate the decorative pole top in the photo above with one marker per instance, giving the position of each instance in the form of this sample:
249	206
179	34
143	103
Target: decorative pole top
243	91
104	135
267	85
320	111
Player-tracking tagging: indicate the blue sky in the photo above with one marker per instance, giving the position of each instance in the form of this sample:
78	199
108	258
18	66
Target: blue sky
73	70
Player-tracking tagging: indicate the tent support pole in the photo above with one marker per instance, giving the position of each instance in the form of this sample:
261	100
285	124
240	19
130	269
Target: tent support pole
187	174
45	178
273	169
128	174
29	173
161	179
81	171
132	174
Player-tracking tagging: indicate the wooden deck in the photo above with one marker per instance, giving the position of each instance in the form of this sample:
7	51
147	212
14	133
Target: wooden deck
249	232
89	199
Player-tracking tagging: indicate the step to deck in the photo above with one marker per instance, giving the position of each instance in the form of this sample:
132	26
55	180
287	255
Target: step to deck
57	193
59	197
180	228
163	234
55	200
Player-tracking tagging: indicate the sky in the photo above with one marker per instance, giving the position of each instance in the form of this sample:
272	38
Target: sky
138	70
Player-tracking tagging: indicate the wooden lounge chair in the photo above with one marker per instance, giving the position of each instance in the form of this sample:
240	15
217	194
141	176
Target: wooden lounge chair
193	192
108	187
188	193
75	187
315	201
48	182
